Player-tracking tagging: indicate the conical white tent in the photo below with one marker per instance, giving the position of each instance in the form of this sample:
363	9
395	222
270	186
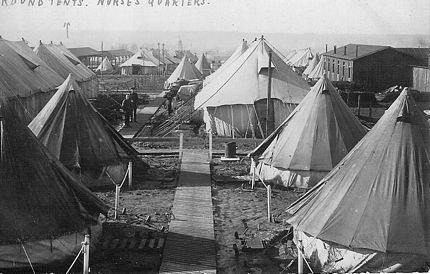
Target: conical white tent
238	52
311	141
301	58
371	213
203	65
105	66
312	64
318	71
234	102
185	70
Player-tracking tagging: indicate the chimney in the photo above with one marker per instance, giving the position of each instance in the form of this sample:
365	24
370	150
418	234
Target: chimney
40	42
344	50
356	51
334	49
326	48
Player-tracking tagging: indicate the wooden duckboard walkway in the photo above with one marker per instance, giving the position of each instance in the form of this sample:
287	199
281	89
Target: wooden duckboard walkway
190	245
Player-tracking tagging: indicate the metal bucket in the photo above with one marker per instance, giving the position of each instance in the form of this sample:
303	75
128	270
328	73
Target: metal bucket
230	150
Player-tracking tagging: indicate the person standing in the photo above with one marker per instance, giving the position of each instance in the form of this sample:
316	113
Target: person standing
127	107
135	103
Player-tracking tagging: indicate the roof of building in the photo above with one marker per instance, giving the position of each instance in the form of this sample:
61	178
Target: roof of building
119	52
419	53
355	51
84	51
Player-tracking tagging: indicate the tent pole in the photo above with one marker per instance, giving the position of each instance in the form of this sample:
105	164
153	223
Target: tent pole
130	174
232	121
181	144
101	71
269	106
86	252
253	173
299	260
210	144
269	203
117	190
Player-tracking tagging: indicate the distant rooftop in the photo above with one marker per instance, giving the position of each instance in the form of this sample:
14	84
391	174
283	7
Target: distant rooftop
352	53
117	52
84	51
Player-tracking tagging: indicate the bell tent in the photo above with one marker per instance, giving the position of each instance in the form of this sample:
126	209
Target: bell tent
63	62
311	141
301	59
203	65
318	70
44	209
234	102
105	66
76	134
185	70
371	212
312	64
26	81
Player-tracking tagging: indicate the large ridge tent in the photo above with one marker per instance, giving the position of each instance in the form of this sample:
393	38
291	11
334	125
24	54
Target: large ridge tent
318	71
140	63
105	66
371	212
63	62
234	102
76	134
44	209
185	70
301	58
25	80
311	141
238	52
312	64
203	65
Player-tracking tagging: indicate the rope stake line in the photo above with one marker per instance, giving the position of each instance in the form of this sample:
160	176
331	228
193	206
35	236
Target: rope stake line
26	255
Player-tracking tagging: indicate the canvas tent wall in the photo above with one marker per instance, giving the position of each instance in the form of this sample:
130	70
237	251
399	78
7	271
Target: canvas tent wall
63	62
43	207
318	71
203	65
25	80
371	213
185	70
234	102
312	64
238	52
105	66
76	134
301	58
140	63
311	141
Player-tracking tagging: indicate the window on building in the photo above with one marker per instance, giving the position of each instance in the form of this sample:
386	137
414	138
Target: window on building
333	66
343	68
338	65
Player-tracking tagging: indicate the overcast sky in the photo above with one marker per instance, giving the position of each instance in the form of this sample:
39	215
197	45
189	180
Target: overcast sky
46	18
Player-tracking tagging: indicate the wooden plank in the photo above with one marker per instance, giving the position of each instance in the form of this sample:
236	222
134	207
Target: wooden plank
190	243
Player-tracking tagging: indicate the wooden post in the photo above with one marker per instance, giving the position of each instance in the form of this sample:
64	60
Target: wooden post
117	190
101	70
299	260
347	98
86	252
181	143
359	104
252	173
130	174
210	144
269	203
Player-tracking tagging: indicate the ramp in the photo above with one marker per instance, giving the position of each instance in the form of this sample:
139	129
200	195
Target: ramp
190	244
